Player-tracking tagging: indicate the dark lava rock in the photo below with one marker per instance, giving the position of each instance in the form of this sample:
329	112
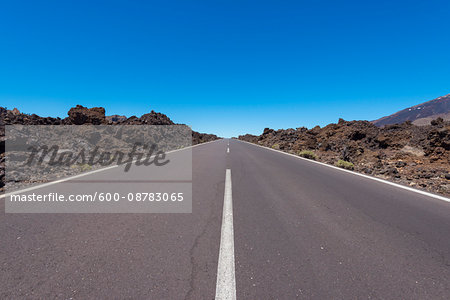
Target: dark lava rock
154	118
82	115
400	164
374	150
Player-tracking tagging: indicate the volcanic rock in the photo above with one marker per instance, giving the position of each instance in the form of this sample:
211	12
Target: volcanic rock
82	115
404	153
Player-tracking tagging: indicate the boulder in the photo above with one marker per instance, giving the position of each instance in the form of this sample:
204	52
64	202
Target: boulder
82	115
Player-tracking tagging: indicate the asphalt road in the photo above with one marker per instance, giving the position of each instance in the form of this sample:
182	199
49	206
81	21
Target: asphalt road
299	230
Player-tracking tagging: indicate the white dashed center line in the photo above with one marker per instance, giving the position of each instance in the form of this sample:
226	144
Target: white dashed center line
226	281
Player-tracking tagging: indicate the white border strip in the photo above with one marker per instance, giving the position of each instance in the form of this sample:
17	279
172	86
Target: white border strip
88	173
359	174
226	278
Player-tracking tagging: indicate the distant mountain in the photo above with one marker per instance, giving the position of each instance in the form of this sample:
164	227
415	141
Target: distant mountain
116	118
420	114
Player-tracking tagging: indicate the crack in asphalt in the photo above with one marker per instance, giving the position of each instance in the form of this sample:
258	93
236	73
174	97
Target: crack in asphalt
194	266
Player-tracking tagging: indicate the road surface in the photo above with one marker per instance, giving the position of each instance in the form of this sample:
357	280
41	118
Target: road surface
280	227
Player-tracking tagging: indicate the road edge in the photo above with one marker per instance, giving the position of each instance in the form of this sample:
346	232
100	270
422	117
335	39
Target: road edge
88	173
439	197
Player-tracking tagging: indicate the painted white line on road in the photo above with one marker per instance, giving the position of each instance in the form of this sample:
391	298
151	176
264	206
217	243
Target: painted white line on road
87	173
226	280
358	174
228	149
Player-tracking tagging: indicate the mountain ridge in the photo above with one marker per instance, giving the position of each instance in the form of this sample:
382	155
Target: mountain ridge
420	114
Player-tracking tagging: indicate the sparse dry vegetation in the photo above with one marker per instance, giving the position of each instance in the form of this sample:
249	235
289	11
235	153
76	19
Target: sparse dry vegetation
307	154
345	164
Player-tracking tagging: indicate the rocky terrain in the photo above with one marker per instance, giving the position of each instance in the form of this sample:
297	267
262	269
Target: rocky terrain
421	114
417	156
80	115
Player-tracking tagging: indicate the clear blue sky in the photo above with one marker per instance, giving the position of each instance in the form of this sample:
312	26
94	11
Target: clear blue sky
225	67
